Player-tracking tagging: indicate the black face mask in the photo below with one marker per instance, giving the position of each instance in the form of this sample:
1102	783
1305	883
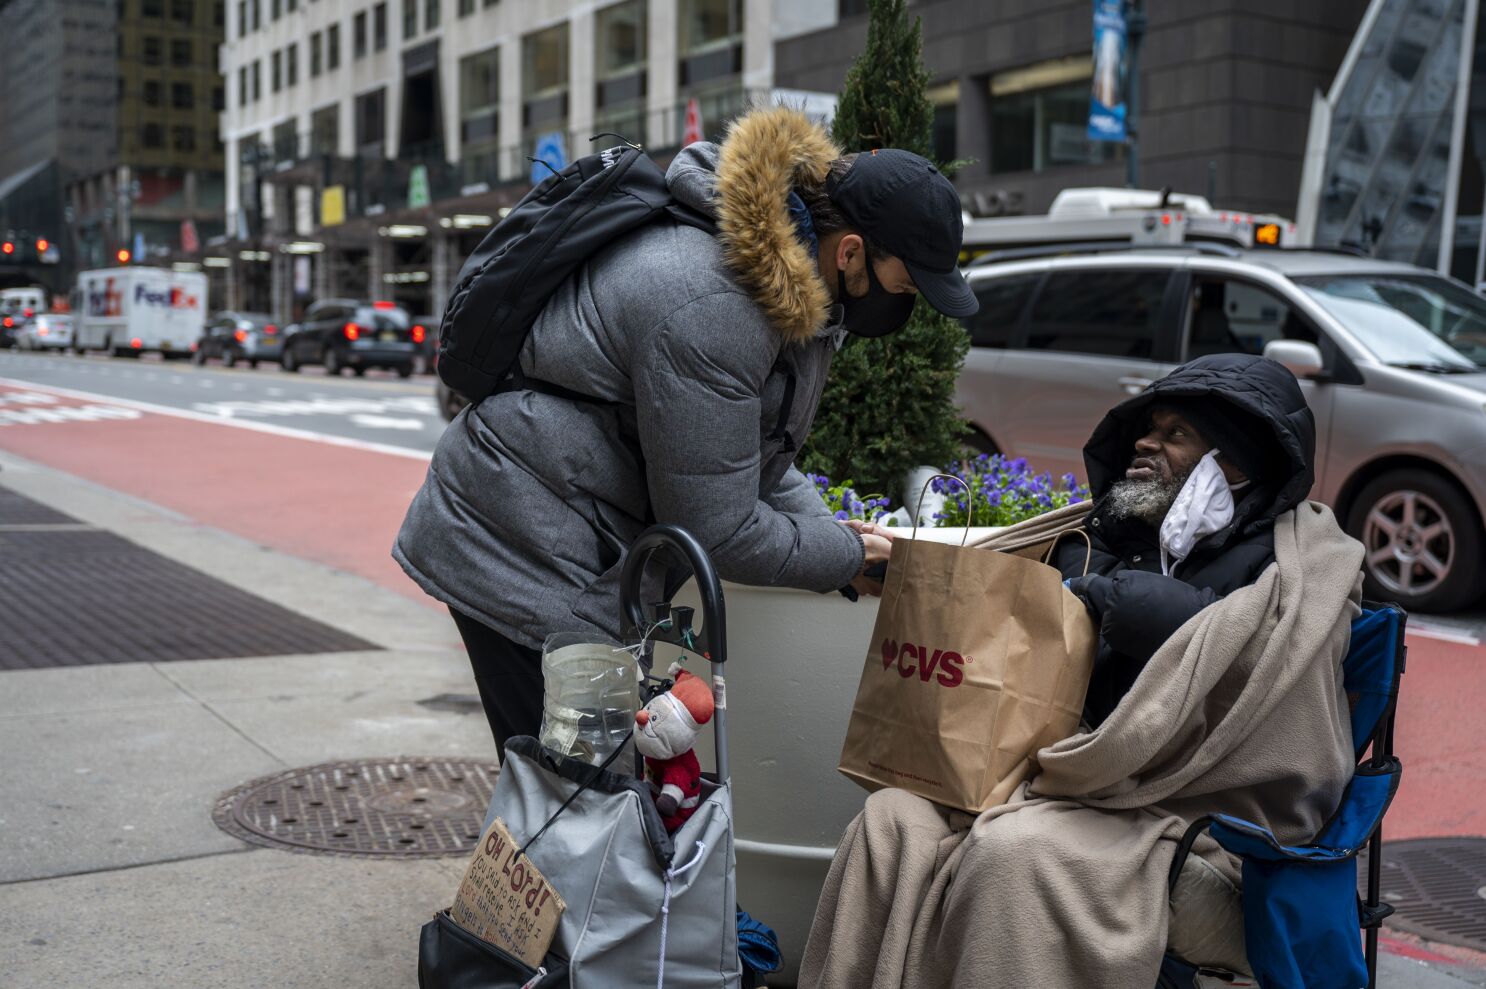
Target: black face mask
875	314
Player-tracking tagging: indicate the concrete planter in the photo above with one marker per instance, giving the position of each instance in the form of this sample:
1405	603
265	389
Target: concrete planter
794	661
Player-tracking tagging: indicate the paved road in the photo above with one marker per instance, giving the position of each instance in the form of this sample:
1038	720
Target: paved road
380	408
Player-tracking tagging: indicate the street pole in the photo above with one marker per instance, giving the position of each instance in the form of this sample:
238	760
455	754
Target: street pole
1134	33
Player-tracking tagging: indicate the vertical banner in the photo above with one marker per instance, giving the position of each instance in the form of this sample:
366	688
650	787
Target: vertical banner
692	133
1107	102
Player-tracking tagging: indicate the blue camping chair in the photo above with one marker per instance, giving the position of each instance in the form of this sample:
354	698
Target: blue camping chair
1301	909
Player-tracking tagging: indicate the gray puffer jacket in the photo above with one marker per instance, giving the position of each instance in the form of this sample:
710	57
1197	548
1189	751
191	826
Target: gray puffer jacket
708	355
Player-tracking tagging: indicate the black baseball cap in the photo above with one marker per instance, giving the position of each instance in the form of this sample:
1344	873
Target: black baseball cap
904	206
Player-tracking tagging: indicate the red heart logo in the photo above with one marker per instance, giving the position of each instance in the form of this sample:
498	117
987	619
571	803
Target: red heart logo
889	653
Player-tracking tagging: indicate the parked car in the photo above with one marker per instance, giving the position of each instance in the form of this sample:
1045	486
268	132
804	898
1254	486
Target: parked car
45	331
239	336
1391	357
345	333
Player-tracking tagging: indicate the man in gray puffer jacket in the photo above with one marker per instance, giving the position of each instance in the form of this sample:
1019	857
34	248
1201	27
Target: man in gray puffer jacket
705	357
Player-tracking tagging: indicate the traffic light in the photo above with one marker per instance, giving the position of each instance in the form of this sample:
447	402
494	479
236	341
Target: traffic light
123	255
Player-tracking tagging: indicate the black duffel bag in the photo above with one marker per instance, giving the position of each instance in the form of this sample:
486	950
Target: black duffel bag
450	957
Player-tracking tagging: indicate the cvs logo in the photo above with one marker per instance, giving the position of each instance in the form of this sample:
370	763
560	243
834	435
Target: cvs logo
911	659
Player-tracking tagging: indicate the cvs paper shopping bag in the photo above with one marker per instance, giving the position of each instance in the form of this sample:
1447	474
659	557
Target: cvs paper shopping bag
978	659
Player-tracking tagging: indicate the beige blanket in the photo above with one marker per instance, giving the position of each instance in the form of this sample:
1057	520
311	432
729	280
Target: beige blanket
1240	712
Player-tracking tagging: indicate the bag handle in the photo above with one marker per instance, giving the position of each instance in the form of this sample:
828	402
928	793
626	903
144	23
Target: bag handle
1088	553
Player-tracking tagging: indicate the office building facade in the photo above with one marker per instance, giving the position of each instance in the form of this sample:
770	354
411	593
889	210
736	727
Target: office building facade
370	143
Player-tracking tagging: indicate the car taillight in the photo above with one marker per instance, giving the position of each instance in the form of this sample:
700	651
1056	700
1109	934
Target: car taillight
9	322
136	343
270	330
240	336
418	334
384	304
352	331
41	331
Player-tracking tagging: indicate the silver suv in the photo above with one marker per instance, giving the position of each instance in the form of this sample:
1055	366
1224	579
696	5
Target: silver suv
1392	359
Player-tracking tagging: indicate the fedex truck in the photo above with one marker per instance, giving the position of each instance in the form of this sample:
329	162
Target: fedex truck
128	311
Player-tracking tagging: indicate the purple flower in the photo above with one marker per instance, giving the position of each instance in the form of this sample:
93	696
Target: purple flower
842	516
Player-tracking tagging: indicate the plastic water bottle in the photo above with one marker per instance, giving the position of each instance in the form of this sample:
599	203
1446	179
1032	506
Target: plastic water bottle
590	696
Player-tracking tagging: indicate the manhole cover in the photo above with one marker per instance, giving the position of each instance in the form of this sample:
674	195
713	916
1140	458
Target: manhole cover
1435	885
373	808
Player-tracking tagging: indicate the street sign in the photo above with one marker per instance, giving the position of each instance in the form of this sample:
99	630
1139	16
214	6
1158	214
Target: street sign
418	187
1107	101
551	149
693	132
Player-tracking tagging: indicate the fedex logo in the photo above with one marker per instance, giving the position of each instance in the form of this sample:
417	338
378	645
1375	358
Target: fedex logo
910	659
105	301
174	298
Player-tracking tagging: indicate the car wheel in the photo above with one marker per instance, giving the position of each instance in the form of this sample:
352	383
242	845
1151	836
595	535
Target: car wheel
333	364
1422	540
359	371
978	441
288	362
198	358
253	364
404	370
229	358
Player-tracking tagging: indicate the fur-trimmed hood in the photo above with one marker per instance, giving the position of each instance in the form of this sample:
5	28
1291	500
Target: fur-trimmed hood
745	184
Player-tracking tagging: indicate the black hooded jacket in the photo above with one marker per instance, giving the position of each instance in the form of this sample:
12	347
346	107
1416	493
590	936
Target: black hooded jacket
1136	606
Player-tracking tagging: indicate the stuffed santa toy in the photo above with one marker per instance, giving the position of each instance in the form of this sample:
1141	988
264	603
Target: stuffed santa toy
665	732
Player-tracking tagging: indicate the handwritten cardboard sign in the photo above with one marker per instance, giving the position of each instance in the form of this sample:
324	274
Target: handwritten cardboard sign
504	899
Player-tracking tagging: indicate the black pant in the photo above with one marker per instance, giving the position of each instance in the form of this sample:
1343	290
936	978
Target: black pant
509	678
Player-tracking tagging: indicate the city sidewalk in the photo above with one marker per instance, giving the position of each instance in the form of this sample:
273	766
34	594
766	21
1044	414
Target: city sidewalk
112	873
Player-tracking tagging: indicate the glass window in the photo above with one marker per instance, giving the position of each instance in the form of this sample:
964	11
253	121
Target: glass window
219	13
180	51
153	136
371	121
946	102
1227	316
257	79
479	114
708	24
182	11
358	34
291	64
1114	313
379	26
317	57
181	96
242	85
332	47
466	7
1002	302
325	130
409	18
1040	116
620	32
152	8
219	98
1412	320
183	138
283	141
150	92
276	73
151	50
544	61
431	10
275	8
242	18
257	14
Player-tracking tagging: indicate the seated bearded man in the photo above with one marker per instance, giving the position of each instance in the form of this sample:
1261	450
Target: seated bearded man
1223	601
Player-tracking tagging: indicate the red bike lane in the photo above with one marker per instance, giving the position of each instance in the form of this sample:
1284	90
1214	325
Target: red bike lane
341	505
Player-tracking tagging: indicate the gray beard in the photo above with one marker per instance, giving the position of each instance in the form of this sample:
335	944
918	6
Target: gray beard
1148	501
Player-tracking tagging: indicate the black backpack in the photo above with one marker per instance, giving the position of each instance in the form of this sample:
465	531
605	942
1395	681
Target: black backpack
556	227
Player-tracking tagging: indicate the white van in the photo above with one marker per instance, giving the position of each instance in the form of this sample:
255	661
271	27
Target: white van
128	311
23	302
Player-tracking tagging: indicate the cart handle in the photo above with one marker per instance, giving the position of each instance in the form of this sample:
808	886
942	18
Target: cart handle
712	643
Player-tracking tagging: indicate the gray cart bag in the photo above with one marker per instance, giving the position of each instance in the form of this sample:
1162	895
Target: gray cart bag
643	907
